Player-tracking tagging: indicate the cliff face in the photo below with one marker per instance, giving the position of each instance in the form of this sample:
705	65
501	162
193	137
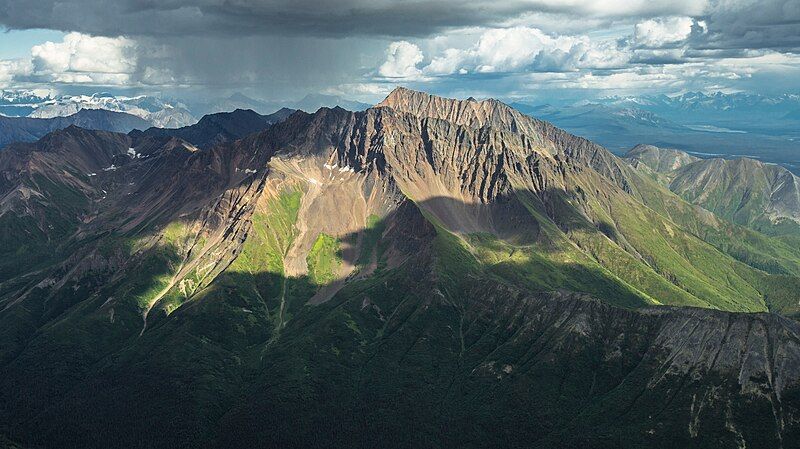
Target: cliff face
426	272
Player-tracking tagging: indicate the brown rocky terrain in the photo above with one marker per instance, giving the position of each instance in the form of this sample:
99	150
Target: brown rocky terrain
427	270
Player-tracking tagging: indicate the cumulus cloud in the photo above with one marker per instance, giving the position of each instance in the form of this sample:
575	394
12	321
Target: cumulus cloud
506	50
77	59
13	69
281	47
80	53
401	61
662	31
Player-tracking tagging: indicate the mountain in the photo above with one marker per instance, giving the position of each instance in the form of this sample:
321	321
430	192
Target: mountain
312	102
220	127
233	102
765	197
309	103
711	105
427	272
614	128
744	114
735	125
25	129
660	160
20	103
37	104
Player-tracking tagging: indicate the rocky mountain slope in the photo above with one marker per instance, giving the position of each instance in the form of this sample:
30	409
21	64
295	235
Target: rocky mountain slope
765	197
426	272
24	129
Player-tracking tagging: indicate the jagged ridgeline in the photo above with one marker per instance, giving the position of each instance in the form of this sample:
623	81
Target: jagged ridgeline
428	272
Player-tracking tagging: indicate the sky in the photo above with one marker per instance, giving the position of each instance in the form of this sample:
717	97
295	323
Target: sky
361	49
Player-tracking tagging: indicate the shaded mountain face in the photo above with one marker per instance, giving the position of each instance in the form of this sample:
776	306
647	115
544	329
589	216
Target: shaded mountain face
427	272
23	129
765	197
218	128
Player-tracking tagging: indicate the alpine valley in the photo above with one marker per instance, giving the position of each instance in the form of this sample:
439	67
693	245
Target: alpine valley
427	272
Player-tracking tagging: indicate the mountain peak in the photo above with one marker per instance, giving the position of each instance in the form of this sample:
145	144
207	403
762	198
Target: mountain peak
468	112
661	160
403	95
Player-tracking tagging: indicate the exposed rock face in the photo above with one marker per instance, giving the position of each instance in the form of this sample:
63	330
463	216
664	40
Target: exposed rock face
345	277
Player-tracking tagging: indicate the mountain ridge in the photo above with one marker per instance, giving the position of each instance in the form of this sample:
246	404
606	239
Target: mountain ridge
402	272
23	129
765	197
220	127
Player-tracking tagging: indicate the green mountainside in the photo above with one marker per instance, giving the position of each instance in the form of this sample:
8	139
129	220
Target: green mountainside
761	196
428	272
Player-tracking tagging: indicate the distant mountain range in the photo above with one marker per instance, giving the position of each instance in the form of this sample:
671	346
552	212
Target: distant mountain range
44	105
221	127
27	129
210	130
309	103
159	112
731	125
774	116
428	272
704	106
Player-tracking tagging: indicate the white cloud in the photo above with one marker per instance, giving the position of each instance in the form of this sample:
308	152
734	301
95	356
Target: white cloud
401	61
497	50
80	53
10	69
523	49
655	33
77	59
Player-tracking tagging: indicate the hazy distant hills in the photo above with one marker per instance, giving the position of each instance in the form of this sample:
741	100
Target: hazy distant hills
309	103
160	113
730	125
429	272
736	107
26	129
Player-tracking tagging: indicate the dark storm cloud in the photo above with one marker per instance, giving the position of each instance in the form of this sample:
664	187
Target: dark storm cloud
243	17
286	47
771	24
299	17
752	24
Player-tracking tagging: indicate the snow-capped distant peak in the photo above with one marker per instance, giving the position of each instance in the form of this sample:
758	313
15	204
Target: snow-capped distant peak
160	113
